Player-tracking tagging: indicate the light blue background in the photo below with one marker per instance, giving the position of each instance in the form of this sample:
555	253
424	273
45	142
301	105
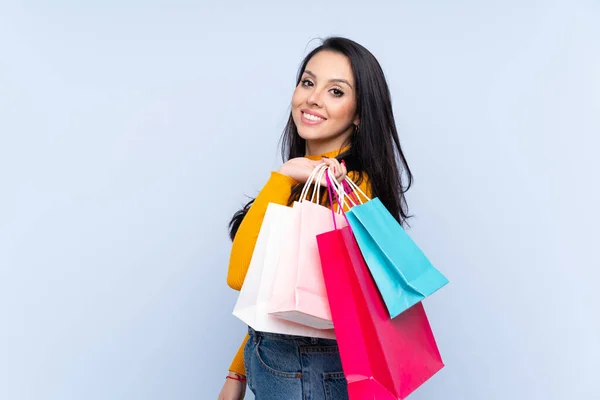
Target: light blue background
131	131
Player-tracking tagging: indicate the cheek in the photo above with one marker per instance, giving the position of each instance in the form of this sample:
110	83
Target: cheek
343	110
297	98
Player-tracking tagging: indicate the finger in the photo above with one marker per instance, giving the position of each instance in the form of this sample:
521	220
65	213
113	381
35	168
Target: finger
334	165
338	167
338	170
327	173
324	178
326	160
323	181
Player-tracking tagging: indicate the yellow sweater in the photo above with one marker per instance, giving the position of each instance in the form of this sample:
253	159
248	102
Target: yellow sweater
277	190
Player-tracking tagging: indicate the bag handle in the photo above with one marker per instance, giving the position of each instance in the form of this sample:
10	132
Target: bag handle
317	191
347	186
315	178
329	178
310	180
339	195
353	187
329	185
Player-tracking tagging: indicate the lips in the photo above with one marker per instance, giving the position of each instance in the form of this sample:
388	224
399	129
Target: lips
313	113
309	120
312	118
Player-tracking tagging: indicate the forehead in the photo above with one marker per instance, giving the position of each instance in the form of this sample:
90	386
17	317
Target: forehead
330	65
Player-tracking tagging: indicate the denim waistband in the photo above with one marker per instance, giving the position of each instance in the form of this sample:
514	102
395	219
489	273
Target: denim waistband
299	339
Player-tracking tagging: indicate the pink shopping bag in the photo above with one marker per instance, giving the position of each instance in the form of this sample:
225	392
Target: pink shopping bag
382	358
299	293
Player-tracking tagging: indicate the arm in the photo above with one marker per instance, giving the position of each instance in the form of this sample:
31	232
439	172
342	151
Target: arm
237	365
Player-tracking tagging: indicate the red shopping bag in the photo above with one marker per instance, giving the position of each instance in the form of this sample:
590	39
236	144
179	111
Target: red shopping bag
382	358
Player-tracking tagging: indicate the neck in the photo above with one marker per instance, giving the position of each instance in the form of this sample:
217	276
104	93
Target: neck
319	147
329	154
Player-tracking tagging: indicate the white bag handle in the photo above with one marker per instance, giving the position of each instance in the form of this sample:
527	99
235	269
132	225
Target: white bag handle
345	200
310	180
356	190
318	178
315	179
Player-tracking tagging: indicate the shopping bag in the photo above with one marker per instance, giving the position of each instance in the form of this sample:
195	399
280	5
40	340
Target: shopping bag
252	303
382	358
299	293
402	272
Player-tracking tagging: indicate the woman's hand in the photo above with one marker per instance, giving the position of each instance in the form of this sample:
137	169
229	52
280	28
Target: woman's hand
300	168
233	389
339	170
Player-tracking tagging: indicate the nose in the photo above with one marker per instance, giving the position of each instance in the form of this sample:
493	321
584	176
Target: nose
315	98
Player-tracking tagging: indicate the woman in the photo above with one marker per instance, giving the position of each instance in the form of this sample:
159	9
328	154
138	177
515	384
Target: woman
341	115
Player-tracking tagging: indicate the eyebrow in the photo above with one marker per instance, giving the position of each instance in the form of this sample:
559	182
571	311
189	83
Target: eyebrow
306	71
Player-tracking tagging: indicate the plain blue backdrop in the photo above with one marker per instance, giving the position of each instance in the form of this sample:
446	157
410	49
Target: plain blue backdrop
131	131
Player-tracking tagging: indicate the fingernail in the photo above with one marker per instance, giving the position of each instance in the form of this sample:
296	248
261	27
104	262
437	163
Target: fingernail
344	163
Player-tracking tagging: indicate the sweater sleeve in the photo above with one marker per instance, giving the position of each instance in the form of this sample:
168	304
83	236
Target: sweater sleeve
237	365
277	190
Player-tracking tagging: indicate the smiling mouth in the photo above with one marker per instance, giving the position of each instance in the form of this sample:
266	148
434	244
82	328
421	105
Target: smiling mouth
311	117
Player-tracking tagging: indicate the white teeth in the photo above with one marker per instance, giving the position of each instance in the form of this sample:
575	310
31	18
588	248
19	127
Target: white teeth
312	117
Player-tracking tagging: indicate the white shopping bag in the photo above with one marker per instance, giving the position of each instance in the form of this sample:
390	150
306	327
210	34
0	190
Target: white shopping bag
253	300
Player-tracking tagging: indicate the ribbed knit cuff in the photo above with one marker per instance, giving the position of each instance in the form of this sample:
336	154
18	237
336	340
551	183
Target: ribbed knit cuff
237	365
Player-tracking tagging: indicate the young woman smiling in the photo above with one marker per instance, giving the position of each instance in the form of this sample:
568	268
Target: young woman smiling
341	115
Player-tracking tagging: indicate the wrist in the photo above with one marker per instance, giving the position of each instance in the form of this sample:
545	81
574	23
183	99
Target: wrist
234	376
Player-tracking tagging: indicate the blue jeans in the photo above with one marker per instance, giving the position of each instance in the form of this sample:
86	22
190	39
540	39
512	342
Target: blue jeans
285	367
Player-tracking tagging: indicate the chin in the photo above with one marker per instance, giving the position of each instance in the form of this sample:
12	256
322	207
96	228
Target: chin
306	134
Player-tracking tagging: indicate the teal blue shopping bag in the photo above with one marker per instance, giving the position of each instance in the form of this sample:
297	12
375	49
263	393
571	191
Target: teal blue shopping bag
402	272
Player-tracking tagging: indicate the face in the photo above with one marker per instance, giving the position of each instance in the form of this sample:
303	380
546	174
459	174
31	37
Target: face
324	102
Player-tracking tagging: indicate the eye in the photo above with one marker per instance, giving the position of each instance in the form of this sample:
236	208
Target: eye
337	92
306	82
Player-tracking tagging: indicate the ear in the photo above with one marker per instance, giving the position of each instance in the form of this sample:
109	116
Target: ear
356	121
